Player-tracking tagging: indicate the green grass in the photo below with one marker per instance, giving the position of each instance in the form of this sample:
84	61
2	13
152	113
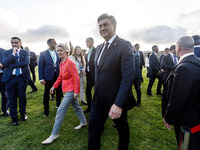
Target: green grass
146	127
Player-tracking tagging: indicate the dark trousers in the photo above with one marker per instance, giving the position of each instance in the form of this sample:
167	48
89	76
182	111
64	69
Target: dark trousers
97	119
4	100
48	86
32	84
16	87
151	82
90	84
136	84
32	69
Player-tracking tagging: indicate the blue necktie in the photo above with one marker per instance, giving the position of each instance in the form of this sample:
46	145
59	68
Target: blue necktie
17	73
175	62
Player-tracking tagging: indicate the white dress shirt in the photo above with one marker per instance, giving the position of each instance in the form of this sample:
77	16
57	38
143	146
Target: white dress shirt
104	45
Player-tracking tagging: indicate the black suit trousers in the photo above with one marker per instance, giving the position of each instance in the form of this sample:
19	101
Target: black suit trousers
16	87
48	86
98	117
90	84
32	69
136	84
151	82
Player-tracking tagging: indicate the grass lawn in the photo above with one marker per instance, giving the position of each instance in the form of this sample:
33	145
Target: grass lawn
146	127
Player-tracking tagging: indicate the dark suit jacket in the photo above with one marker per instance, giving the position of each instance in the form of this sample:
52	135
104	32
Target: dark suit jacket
9	62
46	66
33	60
115	75
1	53
197	51
91	63
154	65
183	95
142	63
167	64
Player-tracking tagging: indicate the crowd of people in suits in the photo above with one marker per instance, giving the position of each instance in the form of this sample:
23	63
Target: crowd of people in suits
111	68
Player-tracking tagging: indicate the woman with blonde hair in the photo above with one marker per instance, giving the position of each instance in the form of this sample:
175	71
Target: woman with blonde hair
79	60
69	79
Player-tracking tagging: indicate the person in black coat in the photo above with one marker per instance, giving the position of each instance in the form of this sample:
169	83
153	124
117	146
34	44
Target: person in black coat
183	108
154	71
90	71
114	75
31	66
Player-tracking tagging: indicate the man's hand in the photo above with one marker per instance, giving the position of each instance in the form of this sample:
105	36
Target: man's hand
52	90
43	82
166	124
158	73
14	50
162	70
75	95
1	66
115	112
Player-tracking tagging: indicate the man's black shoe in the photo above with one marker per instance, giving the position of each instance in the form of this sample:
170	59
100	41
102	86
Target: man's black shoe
15	121
32	91
6	114
87	110
24	117
52	97
150	94
159	94
138	104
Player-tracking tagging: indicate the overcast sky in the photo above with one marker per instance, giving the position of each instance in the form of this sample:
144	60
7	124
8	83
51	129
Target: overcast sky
147	22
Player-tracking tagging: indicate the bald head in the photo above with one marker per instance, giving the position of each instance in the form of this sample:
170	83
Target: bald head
186	43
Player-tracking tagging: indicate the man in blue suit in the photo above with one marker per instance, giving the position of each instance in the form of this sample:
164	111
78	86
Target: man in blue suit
154	71
114	75
4	100
16	76
48	73
169	61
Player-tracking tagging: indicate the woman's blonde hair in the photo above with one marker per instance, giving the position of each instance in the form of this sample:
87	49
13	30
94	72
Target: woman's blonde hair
64	46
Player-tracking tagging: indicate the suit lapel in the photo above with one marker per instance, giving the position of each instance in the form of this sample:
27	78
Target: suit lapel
48	53
98	50
109	51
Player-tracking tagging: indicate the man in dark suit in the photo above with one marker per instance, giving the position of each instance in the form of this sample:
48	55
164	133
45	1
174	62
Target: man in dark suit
31	82
138	74
197	45
169	61
114	75
154	71
183	95
142	63
90	71
33	62
16	75
48	73
4	99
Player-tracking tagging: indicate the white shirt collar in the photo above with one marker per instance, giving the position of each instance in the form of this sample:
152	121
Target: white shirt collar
185	55
154	53
111	40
